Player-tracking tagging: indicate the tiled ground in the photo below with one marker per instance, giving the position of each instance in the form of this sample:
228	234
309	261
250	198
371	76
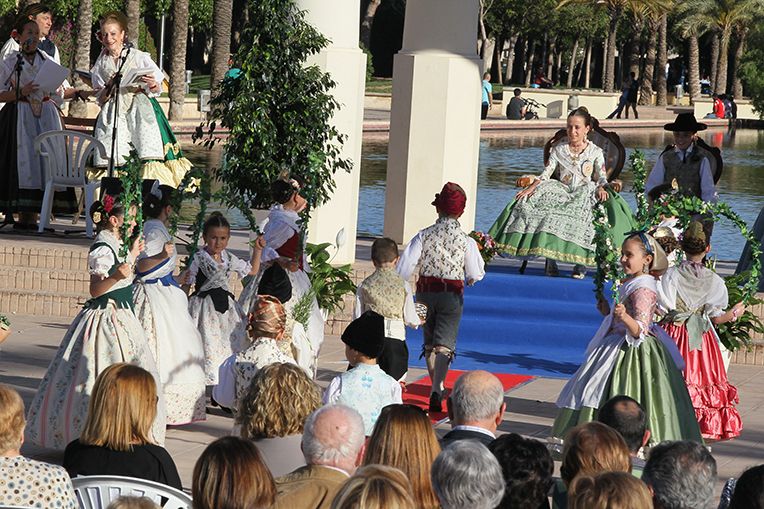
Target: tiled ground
25	356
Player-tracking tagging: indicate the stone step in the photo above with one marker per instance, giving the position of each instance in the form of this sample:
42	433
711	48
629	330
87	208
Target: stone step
23	302
19	278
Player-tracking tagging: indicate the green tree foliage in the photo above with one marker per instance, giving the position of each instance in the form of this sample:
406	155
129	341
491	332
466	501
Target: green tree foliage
200	15
752	71
278	110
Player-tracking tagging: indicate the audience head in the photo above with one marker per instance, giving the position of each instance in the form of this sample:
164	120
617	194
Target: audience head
450	201
12	421
133	503
267	319
334	437
592	448
466	474
609	490
749	490
626	416
279	399
384	251
375	487
478	400
121	409
364	338
403	438
681	475
527	467
517	92
231	473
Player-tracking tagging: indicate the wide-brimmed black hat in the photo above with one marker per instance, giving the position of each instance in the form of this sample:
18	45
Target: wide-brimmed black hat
686	123
275	282
366	334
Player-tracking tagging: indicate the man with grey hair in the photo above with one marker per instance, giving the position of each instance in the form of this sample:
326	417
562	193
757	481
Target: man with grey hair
680	475
475	408
333	445
466	474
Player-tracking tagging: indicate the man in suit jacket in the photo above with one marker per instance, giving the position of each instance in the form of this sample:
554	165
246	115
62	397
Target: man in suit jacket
476	407
333	444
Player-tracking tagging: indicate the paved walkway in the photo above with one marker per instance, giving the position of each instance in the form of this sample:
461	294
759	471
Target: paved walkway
530	408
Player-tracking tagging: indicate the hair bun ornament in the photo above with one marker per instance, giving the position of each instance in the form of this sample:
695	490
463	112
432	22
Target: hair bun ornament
96	217
694	231
108	203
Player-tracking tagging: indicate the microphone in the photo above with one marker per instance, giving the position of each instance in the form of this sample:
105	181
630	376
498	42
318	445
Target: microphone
128	45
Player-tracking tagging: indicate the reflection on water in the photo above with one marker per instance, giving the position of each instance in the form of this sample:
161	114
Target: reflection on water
505	157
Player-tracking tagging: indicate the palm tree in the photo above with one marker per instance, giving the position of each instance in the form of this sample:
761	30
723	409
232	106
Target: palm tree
368	21
82	52
691	27
221	40
646	85
661	92
133	12
178	55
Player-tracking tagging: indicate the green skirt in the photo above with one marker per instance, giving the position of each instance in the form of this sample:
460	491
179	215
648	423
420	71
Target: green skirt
648	374
556	222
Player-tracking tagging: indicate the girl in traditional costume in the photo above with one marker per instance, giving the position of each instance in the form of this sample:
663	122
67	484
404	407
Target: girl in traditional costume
630	356
218	317
104	332
553	217
141	121
693	299
22	178
162	307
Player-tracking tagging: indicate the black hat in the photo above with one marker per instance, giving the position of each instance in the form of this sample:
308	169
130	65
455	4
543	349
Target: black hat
275	282
111	186
366	334
685	122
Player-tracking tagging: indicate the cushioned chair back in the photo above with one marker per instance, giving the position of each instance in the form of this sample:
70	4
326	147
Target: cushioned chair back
98	491
609	142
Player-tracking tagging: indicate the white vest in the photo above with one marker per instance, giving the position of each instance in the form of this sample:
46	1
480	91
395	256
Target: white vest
444	246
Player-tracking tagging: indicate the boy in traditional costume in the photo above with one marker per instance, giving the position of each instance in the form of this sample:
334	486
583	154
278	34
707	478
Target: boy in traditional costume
446	257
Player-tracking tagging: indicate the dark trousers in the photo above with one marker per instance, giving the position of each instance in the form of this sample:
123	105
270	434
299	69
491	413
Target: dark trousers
444	313
484	111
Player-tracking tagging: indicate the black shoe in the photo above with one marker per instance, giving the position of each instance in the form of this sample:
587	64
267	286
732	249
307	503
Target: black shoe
550	268
224	409
436	403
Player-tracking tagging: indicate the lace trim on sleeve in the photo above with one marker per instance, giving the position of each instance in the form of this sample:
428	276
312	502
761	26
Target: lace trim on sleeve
641	306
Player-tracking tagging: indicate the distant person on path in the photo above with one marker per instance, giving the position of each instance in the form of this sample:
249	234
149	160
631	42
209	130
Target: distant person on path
446	257
487	96
718	109
633	93
623	99
516	108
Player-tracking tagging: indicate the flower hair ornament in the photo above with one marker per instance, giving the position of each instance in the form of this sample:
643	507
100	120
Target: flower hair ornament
103	208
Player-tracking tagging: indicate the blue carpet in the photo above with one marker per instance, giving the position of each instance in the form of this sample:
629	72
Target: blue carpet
522	324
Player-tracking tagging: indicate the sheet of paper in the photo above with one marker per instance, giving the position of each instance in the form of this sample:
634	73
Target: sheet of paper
50	76
133	76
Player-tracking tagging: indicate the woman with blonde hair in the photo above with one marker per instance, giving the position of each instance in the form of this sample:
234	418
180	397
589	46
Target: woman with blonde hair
403	438
25	482
116	439
230	473
375	487
273	412
590	449
609	490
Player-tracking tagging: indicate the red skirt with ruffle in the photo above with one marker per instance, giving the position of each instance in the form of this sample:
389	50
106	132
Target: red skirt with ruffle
713	397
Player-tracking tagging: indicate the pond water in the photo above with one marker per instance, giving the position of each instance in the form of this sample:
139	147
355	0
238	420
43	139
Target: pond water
506	156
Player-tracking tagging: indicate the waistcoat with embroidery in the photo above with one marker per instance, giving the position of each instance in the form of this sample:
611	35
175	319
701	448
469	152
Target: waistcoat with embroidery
383	292
687	174
444	246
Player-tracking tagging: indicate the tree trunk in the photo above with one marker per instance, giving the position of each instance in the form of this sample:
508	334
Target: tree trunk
510	58
721	71
368	20
558	69
588	77
646	88
178	56
660	99
634	55
488	53
572	66
82	53
737	84
483	34
609	75
550	59
714	59
694	71
529	65
133	13
221	40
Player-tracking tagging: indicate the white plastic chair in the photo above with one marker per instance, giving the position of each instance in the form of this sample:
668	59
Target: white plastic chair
64	156
98	491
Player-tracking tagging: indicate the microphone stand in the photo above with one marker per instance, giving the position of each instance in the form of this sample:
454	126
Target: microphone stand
17	71
116	83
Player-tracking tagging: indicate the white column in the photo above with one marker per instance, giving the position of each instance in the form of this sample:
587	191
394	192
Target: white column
338	21
435	117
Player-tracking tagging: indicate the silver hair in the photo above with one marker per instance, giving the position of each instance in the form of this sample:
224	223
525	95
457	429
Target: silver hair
466	474
682	475
473	400
345	442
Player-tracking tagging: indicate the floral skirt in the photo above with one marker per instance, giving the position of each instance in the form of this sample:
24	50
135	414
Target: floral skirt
556	222
648	374
713	397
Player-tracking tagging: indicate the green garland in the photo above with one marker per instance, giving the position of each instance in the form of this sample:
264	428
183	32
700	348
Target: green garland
132	189
5	324
188	189
204	192
638	167
606	254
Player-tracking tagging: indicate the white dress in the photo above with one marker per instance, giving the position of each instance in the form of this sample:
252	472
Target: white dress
106	331
162	308
223	330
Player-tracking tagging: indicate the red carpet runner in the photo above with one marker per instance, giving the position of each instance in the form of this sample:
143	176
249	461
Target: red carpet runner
418	393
